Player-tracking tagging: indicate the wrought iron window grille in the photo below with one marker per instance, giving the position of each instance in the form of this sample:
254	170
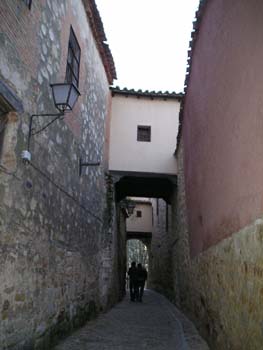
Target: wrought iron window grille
73	60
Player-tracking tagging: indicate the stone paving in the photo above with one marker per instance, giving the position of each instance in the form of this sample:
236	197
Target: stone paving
154	324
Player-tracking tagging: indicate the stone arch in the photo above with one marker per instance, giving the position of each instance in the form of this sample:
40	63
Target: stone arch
147	243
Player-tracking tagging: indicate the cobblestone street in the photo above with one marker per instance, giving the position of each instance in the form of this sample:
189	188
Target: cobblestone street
154	324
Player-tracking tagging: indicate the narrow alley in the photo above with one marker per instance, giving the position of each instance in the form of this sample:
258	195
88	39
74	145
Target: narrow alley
154	324
95	177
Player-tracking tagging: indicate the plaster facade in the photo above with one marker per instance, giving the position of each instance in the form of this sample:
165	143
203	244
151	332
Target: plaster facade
217	258
222	123
141	220
58	240
129	155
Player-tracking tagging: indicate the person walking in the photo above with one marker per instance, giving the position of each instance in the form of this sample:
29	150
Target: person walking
132	272
141	278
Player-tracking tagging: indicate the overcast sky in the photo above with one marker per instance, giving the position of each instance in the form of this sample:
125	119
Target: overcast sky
149	40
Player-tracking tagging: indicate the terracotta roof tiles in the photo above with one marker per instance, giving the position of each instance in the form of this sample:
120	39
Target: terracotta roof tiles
100	38
196	25
150	94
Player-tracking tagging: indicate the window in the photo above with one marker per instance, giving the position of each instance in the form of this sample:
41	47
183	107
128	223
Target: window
3	122
9	105
138	213
28	3
167	218
73	60
144	133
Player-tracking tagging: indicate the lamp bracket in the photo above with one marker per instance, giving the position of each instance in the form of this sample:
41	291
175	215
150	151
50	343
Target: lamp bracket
31	129
127	206
81	164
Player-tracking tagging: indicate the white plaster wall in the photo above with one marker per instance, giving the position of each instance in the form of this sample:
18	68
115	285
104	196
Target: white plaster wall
142	224
126	153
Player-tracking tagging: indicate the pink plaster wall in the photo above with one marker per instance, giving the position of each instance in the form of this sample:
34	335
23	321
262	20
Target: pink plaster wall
223	123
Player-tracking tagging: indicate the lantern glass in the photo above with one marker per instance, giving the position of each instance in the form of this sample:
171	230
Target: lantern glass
130	207
64	96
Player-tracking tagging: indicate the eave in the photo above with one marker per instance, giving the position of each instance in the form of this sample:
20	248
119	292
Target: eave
148	94
194	35
97	28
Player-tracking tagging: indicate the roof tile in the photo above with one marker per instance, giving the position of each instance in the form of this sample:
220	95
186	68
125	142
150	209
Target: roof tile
146	93
100	38
196	25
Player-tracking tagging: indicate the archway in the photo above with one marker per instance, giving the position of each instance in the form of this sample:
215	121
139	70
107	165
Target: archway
138	251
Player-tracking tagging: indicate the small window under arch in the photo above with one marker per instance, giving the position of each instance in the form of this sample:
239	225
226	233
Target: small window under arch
4	110
3	123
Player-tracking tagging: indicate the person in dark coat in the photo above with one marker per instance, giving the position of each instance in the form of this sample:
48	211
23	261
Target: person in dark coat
141	278
132	272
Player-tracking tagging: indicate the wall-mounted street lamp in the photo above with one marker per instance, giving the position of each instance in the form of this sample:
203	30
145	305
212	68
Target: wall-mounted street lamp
128	206
65	96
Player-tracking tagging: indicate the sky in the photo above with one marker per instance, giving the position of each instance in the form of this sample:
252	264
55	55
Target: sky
149	40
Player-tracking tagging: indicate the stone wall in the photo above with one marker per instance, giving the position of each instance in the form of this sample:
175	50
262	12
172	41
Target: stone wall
57	237
221	289
160	264
122	250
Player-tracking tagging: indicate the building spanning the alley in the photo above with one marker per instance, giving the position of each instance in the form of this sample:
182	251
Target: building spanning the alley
140	120
143	130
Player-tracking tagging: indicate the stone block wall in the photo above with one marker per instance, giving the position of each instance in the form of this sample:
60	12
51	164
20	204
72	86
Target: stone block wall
220	289
57	232
122	250
160	263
